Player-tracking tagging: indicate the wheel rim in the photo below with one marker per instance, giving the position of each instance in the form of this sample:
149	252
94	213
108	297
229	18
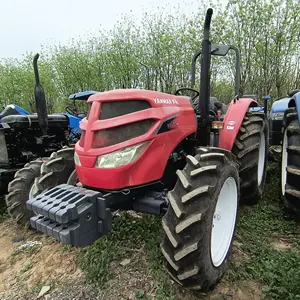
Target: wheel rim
284	156
73	179
31	192
224	222
261	158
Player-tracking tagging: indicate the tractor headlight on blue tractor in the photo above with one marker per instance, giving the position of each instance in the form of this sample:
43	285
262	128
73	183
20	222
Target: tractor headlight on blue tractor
121	157
277	116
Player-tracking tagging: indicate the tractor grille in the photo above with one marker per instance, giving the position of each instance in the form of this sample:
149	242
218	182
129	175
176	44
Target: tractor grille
4	160
119	134
119	108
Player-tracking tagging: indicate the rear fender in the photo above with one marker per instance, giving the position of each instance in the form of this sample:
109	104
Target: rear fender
295	102
233	121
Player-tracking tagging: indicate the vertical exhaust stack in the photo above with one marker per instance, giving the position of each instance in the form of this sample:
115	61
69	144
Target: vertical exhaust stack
40	100
148	74
205	81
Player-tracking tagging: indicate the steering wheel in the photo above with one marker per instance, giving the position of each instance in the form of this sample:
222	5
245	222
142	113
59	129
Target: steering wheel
71	111
178	92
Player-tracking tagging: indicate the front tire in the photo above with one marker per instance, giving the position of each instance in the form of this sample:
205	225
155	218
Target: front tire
251	149
290	164
59	169
200	222
20	190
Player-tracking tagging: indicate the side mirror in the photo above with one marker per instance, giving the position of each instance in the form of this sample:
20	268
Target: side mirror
266	98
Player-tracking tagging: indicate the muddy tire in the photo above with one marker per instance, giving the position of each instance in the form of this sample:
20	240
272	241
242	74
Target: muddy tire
56	171
251	149
20	190
290	164
192	232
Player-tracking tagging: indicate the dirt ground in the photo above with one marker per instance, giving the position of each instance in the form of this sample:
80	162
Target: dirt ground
23	273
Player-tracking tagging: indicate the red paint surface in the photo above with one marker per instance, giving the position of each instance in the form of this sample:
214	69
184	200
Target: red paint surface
151	164
235	114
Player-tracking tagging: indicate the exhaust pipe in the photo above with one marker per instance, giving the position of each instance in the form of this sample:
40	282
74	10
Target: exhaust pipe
205	81
40	100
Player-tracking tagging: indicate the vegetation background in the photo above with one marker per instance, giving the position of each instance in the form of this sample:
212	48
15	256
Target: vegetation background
266	32
266	259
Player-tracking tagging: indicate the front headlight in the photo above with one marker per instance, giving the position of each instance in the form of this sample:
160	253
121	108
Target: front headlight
277	116
76	159
121	157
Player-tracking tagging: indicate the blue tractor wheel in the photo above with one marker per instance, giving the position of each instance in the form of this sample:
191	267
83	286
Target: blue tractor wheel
290	164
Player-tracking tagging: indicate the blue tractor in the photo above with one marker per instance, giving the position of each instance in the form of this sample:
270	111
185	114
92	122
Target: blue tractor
27	141
275	118
290	158
74	116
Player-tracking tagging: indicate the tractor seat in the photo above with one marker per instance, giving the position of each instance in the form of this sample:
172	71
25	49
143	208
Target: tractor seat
31	121
225	108
214	104
81	115
293	92
251	96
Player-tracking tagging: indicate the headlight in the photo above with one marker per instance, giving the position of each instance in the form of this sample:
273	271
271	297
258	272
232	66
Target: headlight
277	116
121	157
76	159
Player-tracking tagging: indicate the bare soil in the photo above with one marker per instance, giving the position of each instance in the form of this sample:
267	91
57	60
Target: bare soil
24	272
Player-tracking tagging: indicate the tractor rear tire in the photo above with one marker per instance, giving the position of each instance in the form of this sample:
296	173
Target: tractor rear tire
59	169
251	149
20	190
195	246
290	167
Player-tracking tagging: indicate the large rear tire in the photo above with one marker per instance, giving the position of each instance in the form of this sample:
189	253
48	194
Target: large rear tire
290	164
20	190
59	169
200	222
251	149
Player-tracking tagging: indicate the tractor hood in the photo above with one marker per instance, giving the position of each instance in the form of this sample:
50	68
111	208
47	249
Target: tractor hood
280	105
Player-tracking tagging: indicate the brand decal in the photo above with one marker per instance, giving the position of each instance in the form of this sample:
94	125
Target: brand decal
165	101
230	125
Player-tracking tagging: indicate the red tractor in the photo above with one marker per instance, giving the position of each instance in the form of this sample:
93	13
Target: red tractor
168	155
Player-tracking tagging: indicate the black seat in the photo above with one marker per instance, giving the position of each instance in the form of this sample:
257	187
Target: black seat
293	92
31	121
214	104
254	97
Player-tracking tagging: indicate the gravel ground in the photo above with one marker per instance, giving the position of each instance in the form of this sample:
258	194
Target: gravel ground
77	290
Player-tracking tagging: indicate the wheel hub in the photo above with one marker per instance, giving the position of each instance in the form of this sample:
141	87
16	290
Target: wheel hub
31	192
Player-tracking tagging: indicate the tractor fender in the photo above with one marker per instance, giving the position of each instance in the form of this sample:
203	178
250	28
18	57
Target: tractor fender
233	121
295	102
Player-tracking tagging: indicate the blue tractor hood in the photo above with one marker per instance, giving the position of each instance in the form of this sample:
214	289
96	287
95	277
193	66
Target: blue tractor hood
280	105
